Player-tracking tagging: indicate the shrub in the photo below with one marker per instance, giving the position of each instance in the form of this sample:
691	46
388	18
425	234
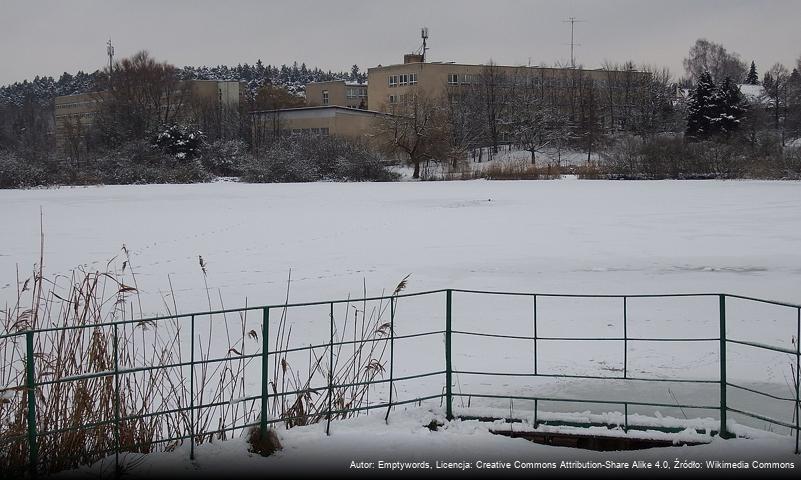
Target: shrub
226	157
15	172
180	141
309	159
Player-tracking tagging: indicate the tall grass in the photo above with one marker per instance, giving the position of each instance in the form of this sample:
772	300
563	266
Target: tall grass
79	397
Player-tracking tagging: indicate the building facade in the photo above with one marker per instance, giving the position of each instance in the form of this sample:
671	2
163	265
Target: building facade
561	87
340	93
352	123
75	114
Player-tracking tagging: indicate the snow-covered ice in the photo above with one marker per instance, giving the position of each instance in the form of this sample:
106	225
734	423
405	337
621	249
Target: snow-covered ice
591	237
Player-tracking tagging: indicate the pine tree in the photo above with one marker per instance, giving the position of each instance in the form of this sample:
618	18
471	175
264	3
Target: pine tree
730	108
752	78
701	108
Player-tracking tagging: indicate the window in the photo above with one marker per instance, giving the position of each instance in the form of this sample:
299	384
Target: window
404	79
412	79
325	97
393	80
393	99
453	79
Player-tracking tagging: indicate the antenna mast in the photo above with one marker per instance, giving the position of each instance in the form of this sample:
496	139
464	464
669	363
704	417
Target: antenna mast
110	52
424	36
572	21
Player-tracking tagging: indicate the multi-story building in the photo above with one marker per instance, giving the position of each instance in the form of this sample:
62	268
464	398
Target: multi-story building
563	88
74	114
337	92
388	85
324	120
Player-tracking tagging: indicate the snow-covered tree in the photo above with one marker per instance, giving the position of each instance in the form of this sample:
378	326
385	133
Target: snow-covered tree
752	78
701	108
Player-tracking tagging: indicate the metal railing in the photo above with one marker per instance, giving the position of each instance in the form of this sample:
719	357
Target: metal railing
447	393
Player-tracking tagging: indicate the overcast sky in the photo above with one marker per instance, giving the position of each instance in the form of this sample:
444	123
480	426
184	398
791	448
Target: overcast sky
48	37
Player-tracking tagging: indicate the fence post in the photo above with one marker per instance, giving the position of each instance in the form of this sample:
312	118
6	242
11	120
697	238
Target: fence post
265	332
192	391
625	337
535	338
797	379
330	371
722	309
391	353
33	447
448	365
116	402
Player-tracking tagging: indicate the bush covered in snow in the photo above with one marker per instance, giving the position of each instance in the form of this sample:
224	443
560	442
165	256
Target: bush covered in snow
15	172
672	157
309	159
180	141
226	158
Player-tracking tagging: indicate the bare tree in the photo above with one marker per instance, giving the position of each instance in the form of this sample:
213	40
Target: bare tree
776	82
533	122
463	109
417	126
143	94
495	89
707	56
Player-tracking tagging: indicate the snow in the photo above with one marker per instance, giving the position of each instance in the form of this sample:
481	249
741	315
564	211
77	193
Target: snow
595	237
405	444
753	93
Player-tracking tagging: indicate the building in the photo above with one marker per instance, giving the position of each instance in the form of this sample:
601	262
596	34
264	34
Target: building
75	114
390	84
324	120
563	88
337	92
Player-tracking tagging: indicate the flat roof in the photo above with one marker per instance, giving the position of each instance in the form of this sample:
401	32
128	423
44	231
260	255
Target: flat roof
500	66
346	82
321	108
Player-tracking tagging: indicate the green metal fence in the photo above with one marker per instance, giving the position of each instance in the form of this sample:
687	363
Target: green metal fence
260	401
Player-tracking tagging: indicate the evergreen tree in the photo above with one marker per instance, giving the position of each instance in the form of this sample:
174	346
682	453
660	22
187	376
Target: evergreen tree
752	78
730	108
701	108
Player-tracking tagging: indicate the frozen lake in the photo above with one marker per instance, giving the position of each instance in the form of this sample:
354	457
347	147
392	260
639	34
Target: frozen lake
567	236
558	236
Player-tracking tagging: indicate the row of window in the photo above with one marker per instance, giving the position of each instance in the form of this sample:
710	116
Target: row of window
355	92
74	104
468	78
315	132
398	98
464	78
403	79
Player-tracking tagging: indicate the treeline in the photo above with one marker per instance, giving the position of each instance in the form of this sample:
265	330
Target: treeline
720	121
151	126
736	125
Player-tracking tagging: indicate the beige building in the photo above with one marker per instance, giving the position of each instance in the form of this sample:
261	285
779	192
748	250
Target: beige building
74	114
390	84
352	123
337	92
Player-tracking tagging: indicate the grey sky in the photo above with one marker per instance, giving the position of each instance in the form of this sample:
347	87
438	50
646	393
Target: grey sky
48	37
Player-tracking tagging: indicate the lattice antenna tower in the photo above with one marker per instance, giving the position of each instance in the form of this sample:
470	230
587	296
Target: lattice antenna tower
572	21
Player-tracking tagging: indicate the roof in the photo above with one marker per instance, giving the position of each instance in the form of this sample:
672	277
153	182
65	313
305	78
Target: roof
346	82
321	108
533	67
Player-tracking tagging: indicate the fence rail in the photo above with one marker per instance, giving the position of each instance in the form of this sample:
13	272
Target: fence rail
447	395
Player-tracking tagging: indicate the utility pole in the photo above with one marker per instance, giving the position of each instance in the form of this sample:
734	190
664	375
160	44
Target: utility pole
572	21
